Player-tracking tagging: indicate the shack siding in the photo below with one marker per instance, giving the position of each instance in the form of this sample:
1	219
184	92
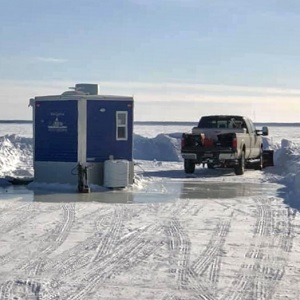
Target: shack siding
101	130
56	131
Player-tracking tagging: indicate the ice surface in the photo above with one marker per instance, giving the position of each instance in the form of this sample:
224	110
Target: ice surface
211	235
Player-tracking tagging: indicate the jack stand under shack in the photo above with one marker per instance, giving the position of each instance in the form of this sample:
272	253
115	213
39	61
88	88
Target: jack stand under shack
82	179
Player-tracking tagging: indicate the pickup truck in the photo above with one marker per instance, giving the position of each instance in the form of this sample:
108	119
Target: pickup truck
226	141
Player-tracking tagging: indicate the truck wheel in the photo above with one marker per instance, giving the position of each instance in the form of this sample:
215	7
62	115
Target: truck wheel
189	166
210	166
259	165
240	168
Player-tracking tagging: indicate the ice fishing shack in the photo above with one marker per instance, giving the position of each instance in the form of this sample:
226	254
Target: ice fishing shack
82	137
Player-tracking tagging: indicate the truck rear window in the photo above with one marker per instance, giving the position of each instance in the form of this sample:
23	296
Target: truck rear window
221	122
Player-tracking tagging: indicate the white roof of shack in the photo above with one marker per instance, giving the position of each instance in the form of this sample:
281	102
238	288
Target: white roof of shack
80	97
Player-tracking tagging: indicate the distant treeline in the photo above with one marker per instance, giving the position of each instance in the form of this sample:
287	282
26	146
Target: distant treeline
175	123
278	124
15	121
166	123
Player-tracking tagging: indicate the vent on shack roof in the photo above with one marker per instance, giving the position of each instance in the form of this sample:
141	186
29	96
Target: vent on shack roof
82	89
87	88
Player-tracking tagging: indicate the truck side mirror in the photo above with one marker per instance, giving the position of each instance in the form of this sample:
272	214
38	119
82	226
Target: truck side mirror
265	130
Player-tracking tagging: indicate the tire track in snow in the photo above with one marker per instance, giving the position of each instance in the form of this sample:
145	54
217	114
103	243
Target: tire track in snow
112	235
15	252
209	262
214	271
189	285
178	208
28	289
233	207
212	251
25	213
35	266
9	208
270	272
135	250
171	298
179	246
258	280
20	289
48	235
5	290
93	248
75	258
200	287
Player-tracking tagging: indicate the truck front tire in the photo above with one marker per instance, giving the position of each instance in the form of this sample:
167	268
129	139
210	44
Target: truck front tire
260	164
240	168
189	166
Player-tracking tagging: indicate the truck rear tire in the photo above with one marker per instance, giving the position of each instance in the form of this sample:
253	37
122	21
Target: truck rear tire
240	168
189	166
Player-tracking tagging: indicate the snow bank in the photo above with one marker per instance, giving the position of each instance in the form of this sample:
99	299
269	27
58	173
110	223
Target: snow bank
287	169
164	147
16	152
16	157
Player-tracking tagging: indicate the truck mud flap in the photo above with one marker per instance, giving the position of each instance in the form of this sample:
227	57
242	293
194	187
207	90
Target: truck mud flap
268	158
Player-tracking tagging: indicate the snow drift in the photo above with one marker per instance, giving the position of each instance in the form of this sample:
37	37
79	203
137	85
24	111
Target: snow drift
16	157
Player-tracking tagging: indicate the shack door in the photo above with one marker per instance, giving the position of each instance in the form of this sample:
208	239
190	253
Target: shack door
109	130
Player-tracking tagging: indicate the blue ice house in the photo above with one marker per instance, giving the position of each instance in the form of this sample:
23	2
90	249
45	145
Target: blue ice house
83	138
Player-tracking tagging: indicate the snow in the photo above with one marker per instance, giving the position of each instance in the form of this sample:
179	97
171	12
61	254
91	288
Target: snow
211	235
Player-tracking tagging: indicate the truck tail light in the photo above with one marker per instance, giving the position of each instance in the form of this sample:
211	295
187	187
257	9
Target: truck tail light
208	142
234	143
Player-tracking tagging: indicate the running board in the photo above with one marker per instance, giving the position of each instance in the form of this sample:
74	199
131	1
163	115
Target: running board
253	161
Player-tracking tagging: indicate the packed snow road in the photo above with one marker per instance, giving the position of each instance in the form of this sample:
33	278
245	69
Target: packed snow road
210	236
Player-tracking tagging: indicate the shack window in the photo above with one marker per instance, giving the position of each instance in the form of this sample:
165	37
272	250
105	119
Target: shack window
122	125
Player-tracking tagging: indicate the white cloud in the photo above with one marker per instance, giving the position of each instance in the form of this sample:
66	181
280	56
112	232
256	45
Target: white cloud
198	88
167	101
21	60
160	2
50	60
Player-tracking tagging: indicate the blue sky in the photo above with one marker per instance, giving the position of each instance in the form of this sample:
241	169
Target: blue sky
179	58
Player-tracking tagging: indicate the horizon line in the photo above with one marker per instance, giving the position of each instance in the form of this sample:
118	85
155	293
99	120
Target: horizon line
16	121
